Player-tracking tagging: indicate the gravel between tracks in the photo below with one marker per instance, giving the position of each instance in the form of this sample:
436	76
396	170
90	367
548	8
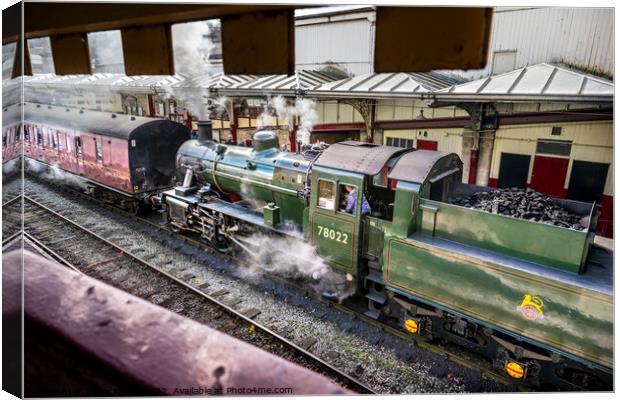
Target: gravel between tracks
384	362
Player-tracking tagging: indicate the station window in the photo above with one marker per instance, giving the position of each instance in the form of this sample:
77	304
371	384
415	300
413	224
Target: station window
327	195
399	142
99	149
554	147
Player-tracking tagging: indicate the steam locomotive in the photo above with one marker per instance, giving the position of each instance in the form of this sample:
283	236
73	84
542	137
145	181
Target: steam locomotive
534	298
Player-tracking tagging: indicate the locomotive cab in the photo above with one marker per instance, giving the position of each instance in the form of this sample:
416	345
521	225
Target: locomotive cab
350	172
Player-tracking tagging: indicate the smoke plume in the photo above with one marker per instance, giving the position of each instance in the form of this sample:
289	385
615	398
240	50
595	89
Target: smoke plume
302	110
295	258
53	173
191	47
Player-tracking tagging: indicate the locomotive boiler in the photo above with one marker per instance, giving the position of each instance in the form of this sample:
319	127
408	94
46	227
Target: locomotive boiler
535	298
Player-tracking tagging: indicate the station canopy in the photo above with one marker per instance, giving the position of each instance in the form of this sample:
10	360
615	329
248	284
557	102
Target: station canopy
542	82
538	83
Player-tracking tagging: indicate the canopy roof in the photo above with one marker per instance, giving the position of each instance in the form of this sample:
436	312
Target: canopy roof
542	81
538	83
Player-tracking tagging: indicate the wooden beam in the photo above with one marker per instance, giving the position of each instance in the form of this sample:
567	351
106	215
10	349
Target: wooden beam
259	43
420	39
147	50
52	19
71	54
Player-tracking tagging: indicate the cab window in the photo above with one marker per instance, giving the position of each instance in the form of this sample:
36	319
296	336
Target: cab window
348	199
327	195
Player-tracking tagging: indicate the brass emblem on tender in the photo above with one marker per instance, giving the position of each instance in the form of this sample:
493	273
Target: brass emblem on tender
531	307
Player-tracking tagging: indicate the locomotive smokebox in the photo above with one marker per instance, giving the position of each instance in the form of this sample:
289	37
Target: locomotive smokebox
205	131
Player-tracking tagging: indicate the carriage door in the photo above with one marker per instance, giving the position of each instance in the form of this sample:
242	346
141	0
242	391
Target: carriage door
336	231
79	153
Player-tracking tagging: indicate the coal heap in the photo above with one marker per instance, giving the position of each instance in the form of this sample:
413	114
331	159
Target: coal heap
525	204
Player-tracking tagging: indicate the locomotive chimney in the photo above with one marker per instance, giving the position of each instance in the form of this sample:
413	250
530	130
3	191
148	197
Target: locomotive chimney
205	131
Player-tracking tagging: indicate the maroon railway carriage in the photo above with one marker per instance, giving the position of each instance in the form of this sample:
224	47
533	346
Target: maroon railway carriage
130	156
11	143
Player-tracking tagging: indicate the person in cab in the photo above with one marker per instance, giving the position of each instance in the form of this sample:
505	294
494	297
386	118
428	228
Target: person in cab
351	200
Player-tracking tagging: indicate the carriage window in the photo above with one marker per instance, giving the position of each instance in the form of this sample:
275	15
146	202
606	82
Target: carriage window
99	150
39	136
78	146
27	133
68	142
17	134
4	137
327	195
54	136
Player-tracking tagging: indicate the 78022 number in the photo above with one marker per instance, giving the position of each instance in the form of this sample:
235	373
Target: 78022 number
333	234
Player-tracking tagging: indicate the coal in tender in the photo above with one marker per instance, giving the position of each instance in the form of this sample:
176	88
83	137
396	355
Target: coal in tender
525	204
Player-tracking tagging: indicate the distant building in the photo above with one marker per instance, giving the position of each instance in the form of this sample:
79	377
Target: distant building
342	38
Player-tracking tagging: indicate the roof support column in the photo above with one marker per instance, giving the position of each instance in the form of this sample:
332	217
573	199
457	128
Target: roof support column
479	142
366	109
292	134
232	109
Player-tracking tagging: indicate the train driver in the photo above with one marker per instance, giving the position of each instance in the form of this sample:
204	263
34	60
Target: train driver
351	193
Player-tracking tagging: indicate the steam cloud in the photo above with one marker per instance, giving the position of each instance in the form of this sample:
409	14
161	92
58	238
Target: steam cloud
192	47
293	257
302	109
11	167
53	173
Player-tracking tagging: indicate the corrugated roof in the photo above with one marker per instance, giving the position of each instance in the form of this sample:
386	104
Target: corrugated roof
387	84
541	81
313	12
217	81
246	84
537	83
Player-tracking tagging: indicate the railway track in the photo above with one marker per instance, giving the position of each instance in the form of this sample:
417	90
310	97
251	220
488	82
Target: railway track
11	219
459	356
80	248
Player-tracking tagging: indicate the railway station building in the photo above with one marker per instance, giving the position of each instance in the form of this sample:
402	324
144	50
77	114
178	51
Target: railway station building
540	114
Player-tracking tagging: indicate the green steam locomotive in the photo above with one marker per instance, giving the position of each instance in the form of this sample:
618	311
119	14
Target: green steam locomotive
535	298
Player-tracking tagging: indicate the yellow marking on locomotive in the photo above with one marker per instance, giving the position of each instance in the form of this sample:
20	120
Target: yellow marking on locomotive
514	369
531	307
136	188
411	326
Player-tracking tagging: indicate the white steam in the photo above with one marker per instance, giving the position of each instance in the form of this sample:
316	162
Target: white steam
308	117
53	173
11	167
293	257
302	110
191	47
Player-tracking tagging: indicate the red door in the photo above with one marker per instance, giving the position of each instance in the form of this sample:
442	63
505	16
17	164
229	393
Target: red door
549	175
426	145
